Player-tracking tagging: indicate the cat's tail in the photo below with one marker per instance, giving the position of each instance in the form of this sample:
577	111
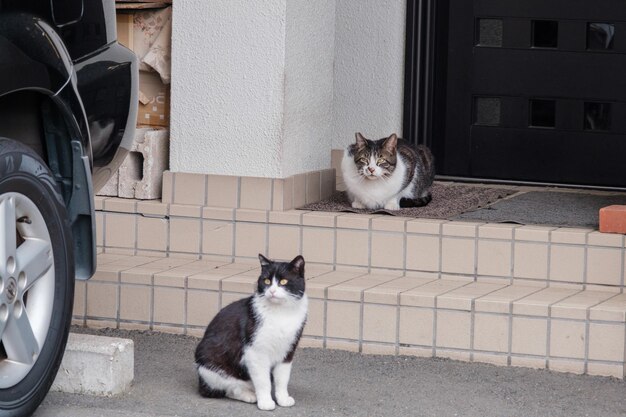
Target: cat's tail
415	202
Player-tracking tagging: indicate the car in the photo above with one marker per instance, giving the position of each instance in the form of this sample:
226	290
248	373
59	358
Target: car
68	110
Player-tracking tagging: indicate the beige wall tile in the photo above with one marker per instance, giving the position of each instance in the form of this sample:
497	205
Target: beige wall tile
352	247
564	365
614	309
604	266
278	197
315	319
425	295
355	221
453	329
120	230
169	305
576	306
286	217
529	336
416	326
102	300
427	226
122	205
202	306
79	299
389	223
311	342
567	339
606	342
222	191
378	349
491	332
604	369
313	186
256	193
379	323
135	302
98	202
317	287
230	297
567	263
342	345
152	233
537	304
462	229
299	190
387	250
569	235
501	301
494	258
217	238
605	239
320	218
416	351
99	228
463	297
453	354
497	231
218	213
167	193
185	210
185	235
530	260
288	194
527	362
328	183
389	292
318	245
190	189
250	239
284	242
533	233
152	208
457	255
422	253
343	319
500	360
249	215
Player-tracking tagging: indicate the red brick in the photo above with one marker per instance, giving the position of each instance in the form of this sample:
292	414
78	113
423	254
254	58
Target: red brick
613	219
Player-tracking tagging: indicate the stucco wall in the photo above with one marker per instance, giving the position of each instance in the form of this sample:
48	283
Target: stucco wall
266	88
369	69
227	87
309	85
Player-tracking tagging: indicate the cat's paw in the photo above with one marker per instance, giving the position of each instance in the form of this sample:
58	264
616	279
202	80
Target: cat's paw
285	401
266	405
248	396
392	205
357	205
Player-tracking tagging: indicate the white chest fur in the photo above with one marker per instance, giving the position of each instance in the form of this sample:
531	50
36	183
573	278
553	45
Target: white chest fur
277	329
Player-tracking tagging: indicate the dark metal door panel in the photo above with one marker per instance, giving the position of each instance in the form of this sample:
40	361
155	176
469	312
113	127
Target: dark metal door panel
536	91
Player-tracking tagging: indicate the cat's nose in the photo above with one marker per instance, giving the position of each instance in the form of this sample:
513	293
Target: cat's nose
371	170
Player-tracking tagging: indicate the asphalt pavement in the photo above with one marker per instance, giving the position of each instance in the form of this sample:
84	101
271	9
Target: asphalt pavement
338	383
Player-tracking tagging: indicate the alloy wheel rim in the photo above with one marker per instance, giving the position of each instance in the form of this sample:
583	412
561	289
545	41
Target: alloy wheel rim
26	286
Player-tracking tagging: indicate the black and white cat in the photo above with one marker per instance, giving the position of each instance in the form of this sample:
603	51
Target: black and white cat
256	337
387	173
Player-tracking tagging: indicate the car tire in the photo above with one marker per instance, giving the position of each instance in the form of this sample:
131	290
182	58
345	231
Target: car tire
36	278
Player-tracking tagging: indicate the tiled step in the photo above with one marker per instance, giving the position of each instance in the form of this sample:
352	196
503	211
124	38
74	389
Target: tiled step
562	327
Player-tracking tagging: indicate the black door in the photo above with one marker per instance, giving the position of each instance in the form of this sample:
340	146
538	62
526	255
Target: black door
535	90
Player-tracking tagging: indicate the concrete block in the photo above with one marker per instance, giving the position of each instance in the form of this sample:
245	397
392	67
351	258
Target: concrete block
110	188
96	365
140	176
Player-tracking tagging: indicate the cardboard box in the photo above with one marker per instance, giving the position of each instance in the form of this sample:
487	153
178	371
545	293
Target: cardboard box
154	95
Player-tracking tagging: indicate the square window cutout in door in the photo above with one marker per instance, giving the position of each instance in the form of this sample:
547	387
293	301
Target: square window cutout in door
489	32
600	36
597	116
542	113
545	34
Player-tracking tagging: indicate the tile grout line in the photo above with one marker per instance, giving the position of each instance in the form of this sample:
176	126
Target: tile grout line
549	261
475	267
512	260
206	192
622	265
369	246
585	265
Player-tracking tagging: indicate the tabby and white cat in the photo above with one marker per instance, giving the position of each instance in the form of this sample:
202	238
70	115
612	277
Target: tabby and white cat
254	339
387	173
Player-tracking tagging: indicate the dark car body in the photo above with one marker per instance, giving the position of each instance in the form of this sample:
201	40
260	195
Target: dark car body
69	91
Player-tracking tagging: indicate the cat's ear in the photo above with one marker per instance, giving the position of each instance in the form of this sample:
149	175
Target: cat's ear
297	265
264	261
360	140
390	143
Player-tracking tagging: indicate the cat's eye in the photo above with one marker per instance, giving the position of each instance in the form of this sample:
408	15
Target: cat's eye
267	281
283	281
380	161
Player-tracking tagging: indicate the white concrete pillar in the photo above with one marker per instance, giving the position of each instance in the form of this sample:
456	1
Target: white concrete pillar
252	86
